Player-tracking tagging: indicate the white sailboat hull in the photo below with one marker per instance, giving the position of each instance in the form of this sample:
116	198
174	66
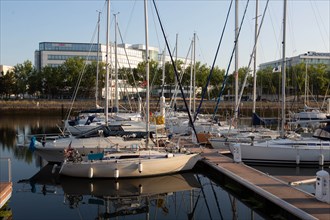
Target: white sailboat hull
242	137
135	167
308	151
54	151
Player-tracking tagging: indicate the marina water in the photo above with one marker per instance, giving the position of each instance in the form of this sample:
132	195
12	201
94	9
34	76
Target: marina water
38	193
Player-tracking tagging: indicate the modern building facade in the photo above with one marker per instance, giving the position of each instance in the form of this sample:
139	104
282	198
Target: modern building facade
4	69
309	58
56	53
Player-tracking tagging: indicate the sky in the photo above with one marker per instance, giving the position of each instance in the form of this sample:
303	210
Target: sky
25	23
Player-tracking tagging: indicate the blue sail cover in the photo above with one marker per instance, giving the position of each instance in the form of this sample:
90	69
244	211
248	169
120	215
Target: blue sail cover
256	120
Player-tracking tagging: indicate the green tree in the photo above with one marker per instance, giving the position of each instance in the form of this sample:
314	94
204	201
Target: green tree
21	73
35	81
140	73
54	82
88	82
73	70
268	81
7	84
296	78
319	79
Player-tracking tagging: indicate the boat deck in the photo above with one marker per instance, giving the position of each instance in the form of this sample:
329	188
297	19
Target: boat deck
299	203
6	189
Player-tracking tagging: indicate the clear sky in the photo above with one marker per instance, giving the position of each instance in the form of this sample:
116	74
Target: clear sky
25	23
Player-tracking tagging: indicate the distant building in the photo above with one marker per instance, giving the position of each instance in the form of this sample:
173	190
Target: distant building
309	58
56	53
4	69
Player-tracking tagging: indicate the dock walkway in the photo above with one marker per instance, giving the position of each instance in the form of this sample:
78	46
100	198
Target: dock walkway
299	203
6	187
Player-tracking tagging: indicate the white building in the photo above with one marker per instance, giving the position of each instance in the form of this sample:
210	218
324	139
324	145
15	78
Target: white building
4	69
56	53
309	58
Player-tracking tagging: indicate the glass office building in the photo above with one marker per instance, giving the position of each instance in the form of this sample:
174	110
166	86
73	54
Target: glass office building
56	53
310	58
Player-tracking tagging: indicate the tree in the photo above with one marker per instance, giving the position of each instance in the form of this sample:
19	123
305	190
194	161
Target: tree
319	79
88	82
217	78
297	78
7	84
21	73
140	73
268	81
52	81
35	81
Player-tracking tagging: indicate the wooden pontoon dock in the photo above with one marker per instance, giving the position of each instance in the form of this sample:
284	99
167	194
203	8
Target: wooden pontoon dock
6	187
301	204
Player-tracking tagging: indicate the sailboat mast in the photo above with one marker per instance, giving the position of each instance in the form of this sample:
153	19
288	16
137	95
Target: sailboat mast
191	76
163	72
194	76
306	86
98	61
106	109
283	70
116	66
255	62
176	62
236	59
147	69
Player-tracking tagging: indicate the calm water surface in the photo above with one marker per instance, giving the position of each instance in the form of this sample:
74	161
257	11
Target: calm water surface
40	194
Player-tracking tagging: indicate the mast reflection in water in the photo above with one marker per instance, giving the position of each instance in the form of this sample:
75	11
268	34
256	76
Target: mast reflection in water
40	193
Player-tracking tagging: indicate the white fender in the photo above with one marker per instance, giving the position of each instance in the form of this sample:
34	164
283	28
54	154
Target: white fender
298	159
91	187
321	160
54	168
117	185
116	173
91	172
140	167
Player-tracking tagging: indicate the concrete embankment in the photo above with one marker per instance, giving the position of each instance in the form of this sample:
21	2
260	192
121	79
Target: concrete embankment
264	109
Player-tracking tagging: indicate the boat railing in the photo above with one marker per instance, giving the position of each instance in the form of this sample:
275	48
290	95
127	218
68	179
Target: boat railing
24	140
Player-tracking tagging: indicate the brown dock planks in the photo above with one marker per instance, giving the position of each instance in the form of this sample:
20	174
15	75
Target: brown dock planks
5	191
301	204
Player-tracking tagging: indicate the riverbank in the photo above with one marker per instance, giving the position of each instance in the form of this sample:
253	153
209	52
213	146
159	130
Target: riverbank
265	109
42	106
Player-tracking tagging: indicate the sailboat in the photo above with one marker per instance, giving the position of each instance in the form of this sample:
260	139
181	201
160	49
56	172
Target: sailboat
88	120
248	134
114	132
178	122
287	150
138	163
309	117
